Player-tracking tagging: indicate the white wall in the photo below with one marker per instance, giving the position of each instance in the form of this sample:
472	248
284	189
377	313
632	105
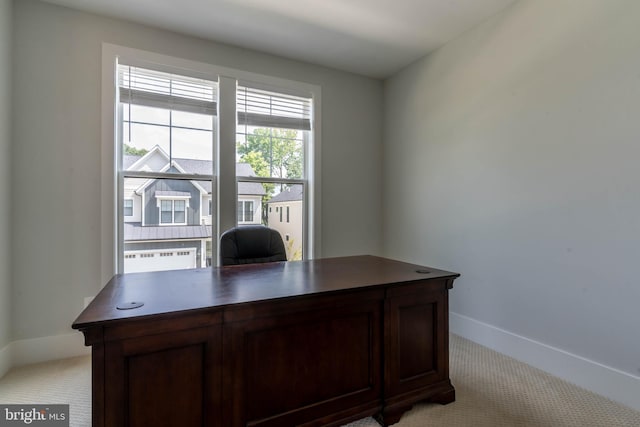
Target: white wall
519	145
5	173
57	152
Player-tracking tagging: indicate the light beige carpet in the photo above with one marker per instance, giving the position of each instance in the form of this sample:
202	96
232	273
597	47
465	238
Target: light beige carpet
492	390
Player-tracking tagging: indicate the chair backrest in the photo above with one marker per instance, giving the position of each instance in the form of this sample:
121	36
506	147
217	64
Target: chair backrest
251	244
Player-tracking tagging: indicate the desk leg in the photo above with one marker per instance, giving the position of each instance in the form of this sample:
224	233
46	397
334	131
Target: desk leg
444	398
97	384
390	417
416	364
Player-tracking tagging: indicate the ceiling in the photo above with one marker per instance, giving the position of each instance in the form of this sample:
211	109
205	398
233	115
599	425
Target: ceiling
374	38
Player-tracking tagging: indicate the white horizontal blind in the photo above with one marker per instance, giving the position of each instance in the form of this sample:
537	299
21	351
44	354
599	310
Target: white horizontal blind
158	89
263	108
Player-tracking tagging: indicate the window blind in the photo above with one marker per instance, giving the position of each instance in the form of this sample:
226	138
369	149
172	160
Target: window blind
158	89
257	107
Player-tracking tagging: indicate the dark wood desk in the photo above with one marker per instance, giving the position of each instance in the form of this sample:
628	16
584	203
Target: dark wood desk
313	343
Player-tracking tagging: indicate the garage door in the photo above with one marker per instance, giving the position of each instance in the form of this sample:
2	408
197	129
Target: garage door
159	259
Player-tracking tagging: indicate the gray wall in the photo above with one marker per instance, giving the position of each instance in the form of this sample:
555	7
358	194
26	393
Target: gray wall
56	153
511	156
5	171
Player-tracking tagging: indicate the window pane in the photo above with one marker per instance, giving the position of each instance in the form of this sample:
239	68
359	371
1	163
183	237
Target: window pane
246	214
165	212
166	234
192	144
248	211
151	147
272	152
289	200
167	124
192	120
178	217
178	211
144	137
271	209
165	217
128	207
144	114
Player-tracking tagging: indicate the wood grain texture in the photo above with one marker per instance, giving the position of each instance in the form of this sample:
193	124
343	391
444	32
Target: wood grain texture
314	343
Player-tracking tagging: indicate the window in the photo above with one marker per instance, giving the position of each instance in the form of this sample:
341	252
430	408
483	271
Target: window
245	211
178	124
274	137
128	207
166	135
166	212
172	211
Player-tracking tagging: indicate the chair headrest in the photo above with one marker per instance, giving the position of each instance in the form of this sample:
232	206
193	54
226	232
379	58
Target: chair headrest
251	244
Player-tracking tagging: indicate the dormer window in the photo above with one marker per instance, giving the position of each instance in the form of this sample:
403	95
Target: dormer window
173	207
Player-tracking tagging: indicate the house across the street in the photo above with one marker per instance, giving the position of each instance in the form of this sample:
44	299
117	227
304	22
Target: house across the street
167	223
285	214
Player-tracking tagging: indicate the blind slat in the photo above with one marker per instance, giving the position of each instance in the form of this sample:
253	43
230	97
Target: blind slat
263	108
164	90
150	99
262	120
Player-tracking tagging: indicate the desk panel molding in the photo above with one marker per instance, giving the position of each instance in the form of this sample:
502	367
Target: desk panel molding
312	343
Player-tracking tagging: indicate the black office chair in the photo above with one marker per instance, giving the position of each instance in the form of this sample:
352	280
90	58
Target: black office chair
251	244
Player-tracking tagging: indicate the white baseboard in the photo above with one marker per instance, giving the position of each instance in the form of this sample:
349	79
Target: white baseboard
614	384
36	350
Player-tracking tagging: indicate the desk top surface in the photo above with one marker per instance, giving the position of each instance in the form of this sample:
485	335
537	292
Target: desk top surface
182	290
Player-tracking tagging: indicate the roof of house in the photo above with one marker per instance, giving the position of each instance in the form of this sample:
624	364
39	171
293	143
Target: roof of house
128	160
204	167
290	194
134	231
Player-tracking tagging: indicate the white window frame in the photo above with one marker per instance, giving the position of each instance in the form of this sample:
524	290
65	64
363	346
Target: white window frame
173	200
112	247
128	199
253	210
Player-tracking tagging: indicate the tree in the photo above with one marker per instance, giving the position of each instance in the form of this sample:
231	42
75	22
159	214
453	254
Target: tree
134	151
260	167
273	152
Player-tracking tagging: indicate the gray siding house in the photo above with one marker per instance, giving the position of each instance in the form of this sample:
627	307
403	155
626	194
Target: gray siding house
167	223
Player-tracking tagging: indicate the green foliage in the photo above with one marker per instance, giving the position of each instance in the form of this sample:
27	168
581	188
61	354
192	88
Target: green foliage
273	153
134	151
293	255
260	167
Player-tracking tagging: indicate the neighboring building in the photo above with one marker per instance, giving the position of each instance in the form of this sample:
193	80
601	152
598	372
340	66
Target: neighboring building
167	223
285	214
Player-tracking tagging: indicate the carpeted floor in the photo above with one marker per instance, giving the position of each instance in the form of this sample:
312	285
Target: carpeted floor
492	390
